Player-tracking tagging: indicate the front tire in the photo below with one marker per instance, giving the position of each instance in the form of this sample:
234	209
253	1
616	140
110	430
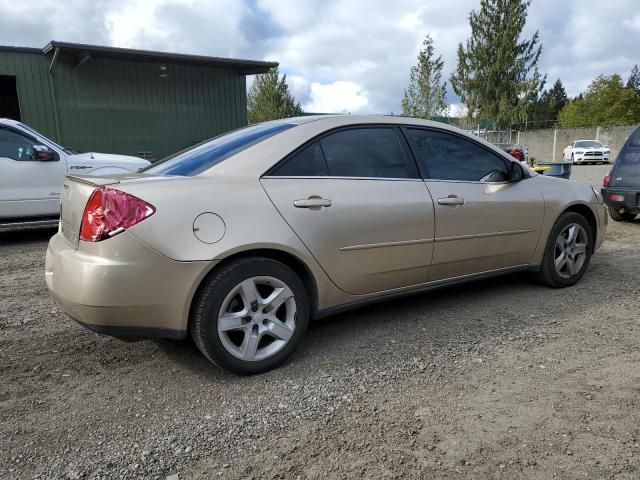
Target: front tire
620	217
250	315
568	251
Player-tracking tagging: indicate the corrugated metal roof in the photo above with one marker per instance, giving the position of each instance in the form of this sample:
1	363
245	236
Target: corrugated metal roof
245	67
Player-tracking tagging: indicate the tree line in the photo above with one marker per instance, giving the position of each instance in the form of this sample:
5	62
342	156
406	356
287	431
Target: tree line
496	78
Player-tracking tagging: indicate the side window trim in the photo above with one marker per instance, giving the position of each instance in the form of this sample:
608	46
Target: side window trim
424	172
414	174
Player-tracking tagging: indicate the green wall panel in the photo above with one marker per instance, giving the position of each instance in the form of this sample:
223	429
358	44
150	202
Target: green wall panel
123	106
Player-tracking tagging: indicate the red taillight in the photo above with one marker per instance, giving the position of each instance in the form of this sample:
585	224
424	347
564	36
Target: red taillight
109	212
606	180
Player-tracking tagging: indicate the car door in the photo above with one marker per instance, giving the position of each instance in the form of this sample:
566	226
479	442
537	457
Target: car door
28	187
484	221
354	197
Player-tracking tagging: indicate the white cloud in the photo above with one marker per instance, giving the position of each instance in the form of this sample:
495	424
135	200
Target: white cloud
457	110
632	23
337	97
340	55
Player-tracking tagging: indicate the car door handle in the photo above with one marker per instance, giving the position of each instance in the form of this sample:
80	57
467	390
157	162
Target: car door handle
453	200
312	202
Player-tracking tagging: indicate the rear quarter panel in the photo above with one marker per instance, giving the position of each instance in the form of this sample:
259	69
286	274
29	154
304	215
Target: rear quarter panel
250	222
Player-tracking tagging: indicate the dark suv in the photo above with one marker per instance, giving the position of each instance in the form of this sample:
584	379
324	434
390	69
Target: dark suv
621	188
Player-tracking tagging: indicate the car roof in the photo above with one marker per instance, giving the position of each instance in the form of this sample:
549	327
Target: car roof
257	159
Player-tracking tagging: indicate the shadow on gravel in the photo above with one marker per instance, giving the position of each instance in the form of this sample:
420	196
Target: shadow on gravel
470	313
21	237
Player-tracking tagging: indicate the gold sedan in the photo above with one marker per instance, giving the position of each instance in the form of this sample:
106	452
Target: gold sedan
241	240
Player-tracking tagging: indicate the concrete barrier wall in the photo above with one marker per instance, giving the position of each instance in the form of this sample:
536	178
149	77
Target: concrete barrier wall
541	142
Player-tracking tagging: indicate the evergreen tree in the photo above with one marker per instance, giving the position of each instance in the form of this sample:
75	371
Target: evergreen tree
269	98
634	80
425	96
606	102
497	74
544	111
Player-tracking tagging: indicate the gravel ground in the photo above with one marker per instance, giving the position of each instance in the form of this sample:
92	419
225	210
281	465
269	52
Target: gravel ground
496	379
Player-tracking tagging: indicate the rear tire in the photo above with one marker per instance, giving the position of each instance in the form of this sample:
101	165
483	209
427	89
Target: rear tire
250	315
565	258
621	217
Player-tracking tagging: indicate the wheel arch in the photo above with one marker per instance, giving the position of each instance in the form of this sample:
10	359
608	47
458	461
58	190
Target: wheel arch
585	211
287	258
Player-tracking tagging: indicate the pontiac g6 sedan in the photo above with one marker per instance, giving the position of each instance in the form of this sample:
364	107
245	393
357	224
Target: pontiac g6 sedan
241	240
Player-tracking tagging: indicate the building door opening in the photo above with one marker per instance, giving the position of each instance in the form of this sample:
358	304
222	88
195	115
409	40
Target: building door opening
9	105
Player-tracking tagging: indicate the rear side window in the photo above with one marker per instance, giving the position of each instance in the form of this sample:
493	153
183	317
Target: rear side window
308	162
444	156
205	155
364	152
359	152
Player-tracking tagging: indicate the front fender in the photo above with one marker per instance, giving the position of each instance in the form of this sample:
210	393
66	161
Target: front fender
559	195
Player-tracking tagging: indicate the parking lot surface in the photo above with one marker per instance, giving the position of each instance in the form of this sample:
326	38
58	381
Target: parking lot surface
495	379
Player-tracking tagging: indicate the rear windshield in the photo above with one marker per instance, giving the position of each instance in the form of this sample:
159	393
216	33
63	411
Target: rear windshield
627	168
634	141
205	155
588	144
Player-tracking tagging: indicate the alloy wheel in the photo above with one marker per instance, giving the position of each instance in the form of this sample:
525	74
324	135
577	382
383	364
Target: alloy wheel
571	250
257	318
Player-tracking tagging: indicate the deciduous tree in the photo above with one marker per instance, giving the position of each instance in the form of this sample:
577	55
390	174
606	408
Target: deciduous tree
606	102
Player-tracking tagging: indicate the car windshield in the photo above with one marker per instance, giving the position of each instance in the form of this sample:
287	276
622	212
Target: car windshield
588	144
66	150
201	157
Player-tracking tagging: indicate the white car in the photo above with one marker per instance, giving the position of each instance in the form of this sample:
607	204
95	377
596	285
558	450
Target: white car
32	171
587	151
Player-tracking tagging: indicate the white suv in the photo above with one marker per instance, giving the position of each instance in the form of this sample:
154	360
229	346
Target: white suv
587	151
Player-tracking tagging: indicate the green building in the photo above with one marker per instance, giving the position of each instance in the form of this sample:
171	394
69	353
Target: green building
117	100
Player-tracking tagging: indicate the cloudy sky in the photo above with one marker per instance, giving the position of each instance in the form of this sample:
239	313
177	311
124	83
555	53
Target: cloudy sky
339	55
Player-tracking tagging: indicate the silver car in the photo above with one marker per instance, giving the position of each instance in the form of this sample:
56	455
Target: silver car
240	241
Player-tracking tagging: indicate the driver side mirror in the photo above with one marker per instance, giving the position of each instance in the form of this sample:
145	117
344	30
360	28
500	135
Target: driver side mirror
42	153
516	173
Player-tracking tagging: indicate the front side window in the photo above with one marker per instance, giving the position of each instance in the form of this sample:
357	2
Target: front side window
66	150
444	156
203	156
15	146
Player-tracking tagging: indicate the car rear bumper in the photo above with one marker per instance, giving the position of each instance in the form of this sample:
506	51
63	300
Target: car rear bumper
121	287
630	204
